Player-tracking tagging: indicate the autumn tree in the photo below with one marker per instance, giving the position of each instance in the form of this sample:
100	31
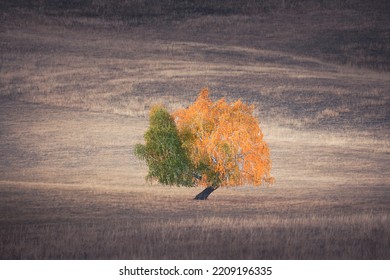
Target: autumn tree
212	144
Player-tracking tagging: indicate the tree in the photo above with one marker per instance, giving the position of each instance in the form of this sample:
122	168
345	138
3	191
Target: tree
212	144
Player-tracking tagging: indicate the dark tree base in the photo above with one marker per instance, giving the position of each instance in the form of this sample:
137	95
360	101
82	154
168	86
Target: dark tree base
205	193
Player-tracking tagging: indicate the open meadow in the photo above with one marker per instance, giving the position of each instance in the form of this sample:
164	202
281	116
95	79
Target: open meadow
75	92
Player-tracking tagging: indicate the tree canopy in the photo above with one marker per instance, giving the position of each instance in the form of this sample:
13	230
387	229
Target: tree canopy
208	143
167	160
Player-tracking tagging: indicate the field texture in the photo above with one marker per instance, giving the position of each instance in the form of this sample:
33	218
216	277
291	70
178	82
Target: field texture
75	91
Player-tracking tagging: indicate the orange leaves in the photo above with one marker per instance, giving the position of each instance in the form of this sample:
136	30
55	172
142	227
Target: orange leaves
227	139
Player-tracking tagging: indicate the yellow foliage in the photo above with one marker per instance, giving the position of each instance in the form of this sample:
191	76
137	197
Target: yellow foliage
229	138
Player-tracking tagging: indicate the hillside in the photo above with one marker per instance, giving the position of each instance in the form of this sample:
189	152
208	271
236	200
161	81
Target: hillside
77	80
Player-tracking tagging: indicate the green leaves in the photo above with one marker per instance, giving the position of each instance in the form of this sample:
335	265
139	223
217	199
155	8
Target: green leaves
167	160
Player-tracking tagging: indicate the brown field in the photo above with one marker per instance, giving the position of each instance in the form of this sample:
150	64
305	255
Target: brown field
74	97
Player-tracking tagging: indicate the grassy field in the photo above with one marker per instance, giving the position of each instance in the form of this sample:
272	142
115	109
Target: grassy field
75	91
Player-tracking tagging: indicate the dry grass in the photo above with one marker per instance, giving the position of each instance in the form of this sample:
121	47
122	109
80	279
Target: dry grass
71	189
74	93
114	68
57	222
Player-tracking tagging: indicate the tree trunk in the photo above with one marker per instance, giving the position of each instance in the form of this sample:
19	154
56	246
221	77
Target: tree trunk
203	195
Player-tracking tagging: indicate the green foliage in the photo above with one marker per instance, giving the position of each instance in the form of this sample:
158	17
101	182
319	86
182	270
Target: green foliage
167	160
